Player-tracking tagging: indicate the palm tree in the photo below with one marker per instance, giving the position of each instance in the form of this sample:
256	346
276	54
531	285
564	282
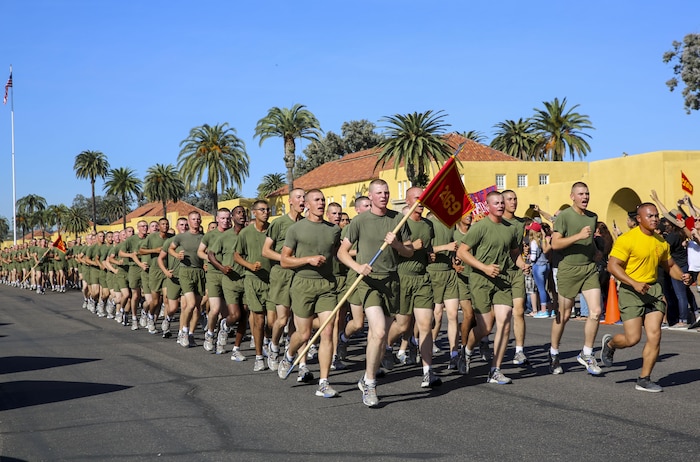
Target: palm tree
33	205
90	165
123	183
414	140
22	223
76	221
270	183
163	184
561	129
230	193
518	139
289	124
216	154
53	215
4	228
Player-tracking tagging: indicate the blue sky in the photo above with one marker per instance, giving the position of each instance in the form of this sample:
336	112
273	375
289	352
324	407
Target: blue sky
131	78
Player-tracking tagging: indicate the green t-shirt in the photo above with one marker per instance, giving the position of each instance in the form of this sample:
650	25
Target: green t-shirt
568	223
307	238
277	232
519	224
418	263
491	243
171	263
249	246
210	240
132	244
223	248
443	235
190	244
368	231
153	241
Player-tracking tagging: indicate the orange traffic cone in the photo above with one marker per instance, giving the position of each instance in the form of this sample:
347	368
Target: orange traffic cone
612	307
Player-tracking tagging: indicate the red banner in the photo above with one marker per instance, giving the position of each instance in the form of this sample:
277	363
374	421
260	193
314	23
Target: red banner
686	184
60	244
445	195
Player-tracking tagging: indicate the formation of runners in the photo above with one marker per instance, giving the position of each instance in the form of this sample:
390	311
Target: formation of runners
283	279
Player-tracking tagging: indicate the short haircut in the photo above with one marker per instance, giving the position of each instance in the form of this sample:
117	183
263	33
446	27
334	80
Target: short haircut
258	202
377	182
222	209
314	191
335	205
578	184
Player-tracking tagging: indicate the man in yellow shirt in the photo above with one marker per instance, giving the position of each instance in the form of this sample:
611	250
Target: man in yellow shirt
633	261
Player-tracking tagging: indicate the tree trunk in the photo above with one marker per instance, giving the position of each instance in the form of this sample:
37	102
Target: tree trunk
165	209
289	158
94	207
124	211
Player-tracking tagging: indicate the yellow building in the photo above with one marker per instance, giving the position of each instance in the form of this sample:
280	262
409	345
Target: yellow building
617	185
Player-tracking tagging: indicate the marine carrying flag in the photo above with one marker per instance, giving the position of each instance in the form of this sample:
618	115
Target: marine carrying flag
445	195
60	244
8	85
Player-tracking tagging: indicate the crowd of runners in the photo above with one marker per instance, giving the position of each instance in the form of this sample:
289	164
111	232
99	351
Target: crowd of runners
280	281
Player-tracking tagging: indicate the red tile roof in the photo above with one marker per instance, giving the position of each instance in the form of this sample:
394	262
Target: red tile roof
359	166
155	209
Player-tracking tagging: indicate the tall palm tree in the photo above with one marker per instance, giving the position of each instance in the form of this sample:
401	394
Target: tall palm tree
215	154
22	223
76	221
518	139
4	228
289	124
53	215
562	129
123	183
33	205
91	165
230	193
414	140
163	184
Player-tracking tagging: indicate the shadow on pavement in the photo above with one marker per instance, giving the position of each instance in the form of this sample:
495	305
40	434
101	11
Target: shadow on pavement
24	393
12	364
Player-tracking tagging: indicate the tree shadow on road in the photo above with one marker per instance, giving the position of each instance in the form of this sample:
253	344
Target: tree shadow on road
12	364
24	393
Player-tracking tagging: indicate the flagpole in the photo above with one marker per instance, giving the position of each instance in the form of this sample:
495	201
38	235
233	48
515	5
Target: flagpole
14	186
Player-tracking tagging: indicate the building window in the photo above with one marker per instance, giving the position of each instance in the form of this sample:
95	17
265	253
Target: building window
544	178
344	201
330	199
500	181
522	180
400	191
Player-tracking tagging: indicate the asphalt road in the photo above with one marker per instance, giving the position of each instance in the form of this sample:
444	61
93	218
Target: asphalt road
77	387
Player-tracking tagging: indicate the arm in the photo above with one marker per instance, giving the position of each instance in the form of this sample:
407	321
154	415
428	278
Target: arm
543	214
161	264
288	260
405	249
244	263
675	271
347	260
466	256
267	251
202	252
560	242
663	209
211	256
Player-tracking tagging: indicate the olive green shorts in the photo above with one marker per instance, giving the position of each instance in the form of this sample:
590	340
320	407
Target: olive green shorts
463	287
135	277
312	296
214	284
379	290
172	287
635	305
573	279
156	279
416	292
444	285
234	290
487	292
122	279
102	279
280	283
257	294
192	280
146	281
517	283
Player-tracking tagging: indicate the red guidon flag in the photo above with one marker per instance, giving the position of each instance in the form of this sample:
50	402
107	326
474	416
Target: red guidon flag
60	244
445	195
686	184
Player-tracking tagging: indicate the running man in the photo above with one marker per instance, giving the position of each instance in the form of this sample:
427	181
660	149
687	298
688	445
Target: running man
633	261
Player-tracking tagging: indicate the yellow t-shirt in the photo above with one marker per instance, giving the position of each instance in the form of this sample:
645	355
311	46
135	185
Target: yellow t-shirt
642	254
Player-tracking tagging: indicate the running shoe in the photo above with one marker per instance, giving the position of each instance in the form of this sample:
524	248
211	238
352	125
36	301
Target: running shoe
463	361
369	393
402	358
191	341
342	349
165	325
305	374
590	363
182	340
259	365
485	351
453	365
606	352
209	341
496	376
283	367
325	390
273	360
221	341
337	364
388	360
151	326
430	380
237	356
313	352
554	366
645	384
134	324
520	359
412	353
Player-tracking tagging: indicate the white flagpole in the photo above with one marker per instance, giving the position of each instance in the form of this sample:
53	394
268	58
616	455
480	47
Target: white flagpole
14	188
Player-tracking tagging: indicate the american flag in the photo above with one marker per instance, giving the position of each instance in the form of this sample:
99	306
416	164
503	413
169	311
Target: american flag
8	85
